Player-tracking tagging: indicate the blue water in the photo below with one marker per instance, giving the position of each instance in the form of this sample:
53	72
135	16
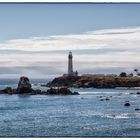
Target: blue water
70	116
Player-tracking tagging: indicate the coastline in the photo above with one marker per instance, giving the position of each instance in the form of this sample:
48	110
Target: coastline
94	82
38	88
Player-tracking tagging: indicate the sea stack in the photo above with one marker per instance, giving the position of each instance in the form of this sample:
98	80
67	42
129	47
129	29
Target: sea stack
24	85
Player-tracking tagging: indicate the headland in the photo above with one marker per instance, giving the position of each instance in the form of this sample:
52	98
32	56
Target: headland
92	81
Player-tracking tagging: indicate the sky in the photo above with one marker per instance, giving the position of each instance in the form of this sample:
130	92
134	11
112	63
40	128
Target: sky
35	39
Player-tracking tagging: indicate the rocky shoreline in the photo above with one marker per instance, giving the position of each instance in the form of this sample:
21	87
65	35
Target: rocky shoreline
60	85
94	82
24	88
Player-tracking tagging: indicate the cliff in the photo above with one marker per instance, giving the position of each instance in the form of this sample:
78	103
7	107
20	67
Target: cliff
94	82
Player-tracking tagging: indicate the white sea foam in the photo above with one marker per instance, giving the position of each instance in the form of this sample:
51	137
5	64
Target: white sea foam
122	116
127	93
98	92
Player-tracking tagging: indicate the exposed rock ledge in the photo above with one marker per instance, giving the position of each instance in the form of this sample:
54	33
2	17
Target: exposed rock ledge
24	87
95	82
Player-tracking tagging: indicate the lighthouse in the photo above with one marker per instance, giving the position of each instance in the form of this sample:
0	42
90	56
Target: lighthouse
70	64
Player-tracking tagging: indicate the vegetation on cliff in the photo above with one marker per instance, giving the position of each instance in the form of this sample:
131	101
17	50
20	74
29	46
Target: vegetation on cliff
95	82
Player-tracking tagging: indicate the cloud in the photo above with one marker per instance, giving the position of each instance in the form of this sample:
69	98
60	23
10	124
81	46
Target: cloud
104	51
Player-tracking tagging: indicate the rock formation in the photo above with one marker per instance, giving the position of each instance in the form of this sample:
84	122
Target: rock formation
60	91
24	85
127	103
8	90
94	82
137	109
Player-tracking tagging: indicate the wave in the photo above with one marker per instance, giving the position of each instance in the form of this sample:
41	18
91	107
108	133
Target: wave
98	92
110	128
121	116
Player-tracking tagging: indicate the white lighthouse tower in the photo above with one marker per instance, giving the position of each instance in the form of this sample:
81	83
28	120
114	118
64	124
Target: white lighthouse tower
70	64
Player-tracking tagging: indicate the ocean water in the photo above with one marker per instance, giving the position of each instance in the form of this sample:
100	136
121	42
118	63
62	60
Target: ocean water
84	115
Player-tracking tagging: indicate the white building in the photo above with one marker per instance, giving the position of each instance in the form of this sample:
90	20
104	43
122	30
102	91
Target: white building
70	66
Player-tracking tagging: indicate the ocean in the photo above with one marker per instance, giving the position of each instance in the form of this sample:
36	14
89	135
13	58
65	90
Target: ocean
83	115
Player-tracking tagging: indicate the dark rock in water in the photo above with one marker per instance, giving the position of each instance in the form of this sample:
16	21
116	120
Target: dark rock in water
8	90
60	91
24	85
127	103
137	109
24	88
134	93
107	99
37	91
99	96
104	98
113	116
131	93
75	93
